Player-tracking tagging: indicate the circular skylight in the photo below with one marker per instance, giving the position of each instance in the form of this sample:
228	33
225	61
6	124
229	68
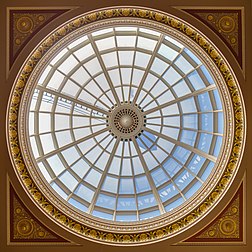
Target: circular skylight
125	123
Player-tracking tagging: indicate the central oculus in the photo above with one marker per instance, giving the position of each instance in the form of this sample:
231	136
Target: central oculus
126	121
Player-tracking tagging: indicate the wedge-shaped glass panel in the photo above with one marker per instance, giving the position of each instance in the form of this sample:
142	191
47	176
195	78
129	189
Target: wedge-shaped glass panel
80	167
196	163
188	105
205	142
146	201
105	43
204	102
68	64
68	180
183	179
121	217
194	188
106	201
56	164
188	137
126	186
181	154
110	184
167	52
168	192
159	177
93	177
84	52
172	167
207	122
196	80
190	121
78	205
149	215
207	171
84	193
126	41
174	204
183	64
103	215
126	204
142	184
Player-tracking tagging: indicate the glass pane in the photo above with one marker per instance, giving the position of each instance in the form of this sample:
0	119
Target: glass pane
56	164
167	192
172	167
77	204
188	137
181	154
148	215
110	184
103	215
84	193
159	177
61	192
126	204
126	186
196	80
205	142
93	177
146	201
196	163
106	201
68	180
142	184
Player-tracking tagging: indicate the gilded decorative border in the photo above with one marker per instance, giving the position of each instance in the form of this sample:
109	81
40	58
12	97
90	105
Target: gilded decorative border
156	233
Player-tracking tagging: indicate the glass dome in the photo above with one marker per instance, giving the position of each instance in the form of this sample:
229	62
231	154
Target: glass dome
125	123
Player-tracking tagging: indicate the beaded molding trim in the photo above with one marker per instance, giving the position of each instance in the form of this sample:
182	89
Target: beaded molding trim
157	233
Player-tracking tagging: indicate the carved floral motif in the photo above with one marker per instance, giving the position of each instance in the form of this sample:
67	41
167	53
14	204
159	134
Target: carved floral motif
227	227
25	24
226	24
25	227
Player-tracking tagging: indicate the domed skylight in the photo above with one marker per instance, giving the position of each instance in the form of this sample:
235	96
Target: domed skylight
126	123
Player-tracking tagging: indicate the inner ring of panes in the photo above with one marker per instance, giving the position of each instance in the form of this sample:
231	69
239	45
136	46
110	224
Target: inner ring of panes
120	180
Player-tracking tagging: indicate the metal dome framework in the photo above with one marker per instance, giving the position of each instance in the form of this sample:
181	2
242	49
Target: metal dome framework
152	103
126	123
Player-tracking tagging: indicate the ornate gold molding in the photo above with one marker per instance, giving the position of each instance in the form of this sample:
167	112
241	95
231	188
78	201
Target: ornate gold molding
227	24
157	233
25	227
24	24
226	228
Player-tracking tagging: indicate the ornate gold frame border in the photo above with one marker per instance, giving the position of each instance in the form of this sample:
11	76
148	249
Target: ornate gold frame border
157	233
